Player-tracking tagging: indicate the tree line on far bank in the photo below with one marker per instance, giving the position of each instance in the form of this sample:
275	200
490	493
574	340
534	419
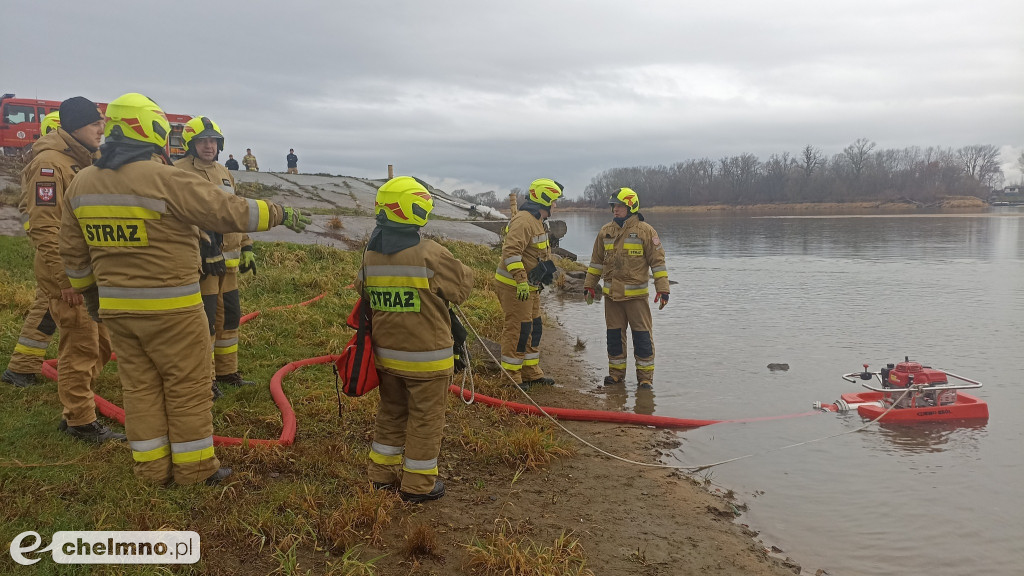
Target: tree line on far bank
859	173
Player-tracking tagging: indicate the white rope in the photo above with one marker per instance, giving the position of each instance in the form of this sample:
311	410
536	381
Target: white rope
688	469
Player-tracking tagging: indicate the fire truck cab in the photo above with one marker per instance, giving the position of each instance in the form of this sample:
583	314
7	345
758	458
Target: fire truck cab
19	121
20	118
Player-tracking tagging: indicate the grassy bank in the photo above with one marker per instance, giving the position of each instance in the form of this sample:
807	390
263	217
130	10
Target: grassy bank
304	509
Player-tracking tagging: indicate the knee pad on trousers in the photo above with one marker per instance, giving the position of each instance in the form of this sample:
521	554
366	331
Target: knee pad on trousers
232	310
615	342
643	346
524	336
47	325
538	328
210	306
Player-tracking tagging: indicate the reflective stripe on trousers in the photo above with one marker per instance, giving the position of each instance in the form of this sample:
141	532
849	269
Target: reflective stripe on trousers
386	455
149	450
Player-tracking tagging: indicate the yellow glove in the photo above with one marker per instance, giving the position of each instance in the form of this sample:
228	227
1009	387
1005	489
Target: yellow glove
523	291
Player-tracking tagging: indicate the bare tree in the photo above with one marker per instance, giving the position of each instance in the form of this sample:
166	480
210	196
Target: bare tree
810	160
981	162
857	154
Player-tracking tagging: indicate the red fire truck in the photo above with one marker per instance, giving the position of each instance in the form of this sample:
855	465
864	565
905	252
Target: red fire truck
20	118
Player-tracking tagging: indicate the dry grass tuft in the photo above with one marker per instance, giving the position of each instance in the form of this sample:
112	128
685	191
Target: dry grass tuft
335	223
506	552
421	540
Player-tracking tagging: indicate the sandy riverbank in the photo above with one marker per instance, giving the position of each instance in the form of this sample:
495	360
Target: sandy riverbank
630	519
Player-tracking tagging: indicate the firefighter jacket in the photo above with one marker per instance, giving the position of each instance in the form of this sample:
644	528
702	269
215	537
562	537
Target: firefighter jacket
219	175
57	158
622	258
409	292
526	244
249	161
133	233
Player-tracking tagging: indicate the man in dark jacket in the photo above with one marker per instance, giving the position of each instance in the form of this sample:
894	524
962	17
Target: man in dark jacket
231	164
293	161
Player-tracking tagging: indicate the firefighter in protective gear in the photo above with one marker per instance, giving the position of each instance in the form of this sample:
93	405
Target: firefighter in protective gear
222	254
37	330
84	347
130	245
627	249
249	161
525	247
409	282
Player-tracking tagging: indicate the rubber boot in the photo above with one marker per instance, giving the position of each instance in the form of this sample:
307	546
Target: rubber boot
20	380
542	381
91	432
645	385
234	379
434	494
612	381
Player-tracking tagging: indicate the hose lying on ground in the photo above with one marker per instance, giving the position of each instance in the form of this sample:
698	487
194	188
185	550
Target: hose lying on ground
289	425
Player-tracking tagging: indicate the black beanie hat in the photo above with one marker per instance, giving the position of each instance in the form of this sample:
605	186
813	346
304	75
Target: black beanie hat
77	112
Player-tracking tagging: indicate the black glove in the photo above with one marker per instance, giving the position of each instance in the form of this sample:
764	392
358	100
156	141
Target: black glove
91	295
459	335
542	274
248	261
209	252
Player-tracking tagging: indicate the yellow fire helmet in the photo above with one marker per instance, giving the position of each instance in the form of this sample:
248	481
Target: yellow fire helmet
50	122
628	197
138	118
405	200
545	191
202	127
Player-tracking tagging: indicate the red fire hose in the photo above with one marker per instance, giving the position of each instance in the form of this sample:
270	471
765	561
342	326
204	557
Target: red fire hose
288	424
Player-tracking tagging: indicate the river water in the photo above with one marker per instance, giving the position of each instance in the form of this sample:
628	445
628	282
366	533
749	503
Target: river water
825	295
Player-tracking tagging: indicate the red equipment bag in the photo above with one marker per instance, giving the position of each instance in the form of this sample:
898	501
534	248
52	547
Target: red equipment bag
355	366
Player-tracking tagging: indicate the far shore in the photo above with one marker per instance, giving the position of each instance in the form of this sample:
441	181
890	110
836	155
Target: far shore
957	204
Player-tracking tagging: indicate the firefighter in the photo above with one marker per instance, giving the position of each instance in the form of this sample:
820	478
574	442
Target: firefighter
525	251
221	255
626	250
130	245
36	332
409	282
84	347
249	161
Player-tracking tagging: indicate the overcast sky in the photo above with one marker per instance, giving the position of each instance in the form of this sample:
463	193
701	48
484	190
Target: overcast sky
487	95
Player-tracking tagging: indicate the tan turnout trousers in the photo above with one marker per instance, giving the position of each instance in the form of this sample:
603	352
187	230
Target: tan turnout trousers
520	337
35	336
82	351
169	427
223	312
634	314
410	414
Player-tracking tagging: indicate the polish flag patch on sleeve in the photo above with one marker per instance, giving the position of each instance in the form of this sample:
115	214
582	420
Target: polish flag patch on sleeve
46	171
